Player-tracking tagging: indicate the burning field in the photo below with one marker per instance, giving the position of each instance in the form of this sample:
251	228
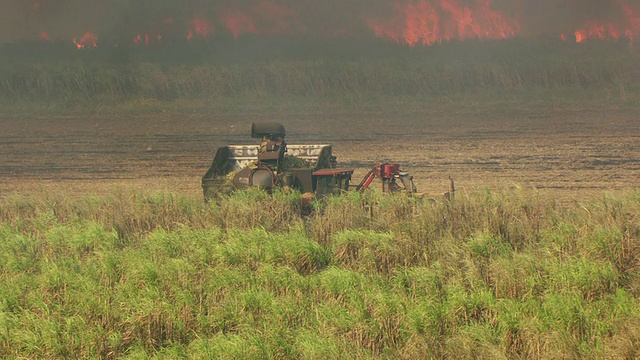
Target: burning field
538	113
91	23
111	111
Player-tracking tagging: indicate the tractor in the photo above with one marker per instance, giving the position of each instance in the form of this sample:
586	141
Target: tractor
308	168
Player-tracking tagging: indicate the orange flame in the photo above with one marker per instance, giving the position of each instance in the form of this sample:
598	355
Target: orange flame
146	39
428	22
414	22
238	23
201	27
87	40
606	30
264	18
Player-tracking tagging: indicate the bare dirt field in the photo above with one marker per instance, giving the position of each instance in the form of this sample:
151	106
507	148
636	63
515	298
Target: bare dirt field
567	153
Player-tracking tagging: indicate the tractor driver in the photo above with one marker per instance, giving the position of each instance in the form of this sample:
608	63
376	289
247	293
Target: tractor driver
272	149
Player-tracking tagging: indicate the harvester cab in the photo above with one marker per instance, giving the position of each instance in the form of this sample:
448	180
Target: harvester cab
272	147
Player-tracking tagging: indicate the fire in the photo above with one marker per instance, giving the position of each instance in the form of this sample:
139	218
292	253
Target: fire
201	27
275	19
238	23
594	29
598	31
601	31
411	22
265	18
154	31
87	40
146	39
432	21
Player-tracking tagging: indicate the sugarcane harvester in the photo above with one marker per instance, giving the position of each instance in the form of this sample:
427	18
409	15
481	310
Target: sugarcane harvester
309	168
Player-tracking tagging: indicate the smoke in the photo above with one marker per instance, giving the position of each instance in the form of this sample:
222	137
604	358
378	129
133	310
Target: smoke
562	16
23	20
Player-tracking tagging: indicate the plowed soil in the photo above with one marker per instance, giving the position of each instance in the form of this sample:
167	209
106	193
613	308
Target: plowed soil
568	153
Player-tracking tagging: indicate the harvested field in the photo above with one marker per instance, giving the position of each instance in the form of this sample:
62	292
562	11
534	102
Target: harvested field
560	151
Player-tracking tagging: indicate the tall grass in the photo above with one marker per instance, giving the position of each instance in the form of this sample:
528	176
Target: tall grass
491	275
146	80
321	78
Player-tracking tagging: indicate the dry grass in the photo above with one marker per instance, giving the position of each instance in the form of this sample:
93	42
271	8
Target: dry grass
99	83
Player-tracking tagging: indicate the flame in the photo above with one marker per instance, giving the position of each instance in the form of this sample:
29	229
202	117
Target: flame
87	40
238	23
606	30
146	39
277	19
138	39
428	22
595	30
265	18
600	31
201	27
412	22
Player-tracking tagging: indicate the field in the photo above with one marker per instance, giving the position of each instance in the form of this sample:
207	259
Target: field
538	114
107	249
568	152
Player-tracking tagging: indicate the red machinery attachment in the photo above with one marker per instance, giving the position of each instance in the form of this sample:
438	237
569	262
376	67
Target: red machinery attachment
389	174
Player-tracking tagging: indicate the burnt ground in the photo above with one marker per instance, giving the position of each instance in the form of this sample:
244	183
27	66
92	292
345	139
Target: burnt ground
567	153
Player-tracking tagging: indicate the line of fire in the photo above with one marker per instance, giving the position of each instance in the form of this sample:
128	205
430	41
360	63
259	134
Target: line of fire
410	22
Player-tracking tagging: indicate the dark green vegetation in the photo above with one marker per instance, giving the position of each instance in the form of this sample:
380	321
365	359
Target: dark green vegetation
491	275
301	74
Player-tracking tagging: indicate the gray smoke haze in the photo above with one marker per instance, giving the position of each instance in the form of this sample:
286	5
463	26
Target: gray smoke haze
22	20
561	16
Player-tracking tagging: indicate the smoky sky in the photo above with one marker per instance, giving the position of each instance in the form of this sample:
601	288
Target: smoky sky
22	20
